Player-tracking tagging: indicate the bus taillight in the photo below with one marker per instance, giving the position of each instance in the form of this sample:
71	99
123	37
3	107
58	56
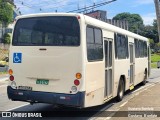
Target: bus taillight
76	82
11	78
10	71
78	17
78	75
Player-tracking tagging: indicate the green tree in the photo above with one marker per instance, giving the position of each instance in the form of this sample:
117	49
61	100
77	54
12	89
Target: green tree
158	45
152	43
134	20
6	13
151	31
7	38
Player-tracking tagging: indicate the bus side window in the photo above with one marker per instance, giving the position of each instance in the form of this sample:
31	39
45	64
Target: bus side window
94	44
121	46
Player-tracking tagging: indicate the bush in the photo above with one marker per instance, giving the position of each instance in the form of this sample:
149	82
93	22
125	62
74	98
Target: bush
7	38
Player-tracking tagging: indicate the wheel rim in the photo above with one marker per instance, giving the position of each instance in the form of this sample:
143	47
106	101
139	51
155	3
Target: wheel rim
121	90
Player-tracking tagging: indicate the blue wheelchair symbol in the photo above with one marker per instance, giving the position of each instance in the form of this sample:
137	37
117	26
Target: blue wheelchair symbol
17	57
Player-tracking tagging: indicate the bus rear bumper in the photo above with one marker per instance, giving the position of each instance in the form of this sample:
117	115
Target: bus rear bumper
76	100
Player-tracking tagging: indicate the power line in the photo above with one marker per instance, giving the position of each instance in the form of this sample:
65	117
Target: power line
91	7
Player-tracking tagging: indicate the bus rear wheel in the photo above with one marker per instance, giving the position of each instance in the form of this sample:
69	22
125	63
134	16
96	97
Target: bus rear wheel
120	93
145	78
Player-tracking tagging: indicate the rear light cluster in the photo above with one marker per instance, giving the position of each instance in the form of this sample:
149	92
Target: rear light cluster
11	74
11	77
76	82
78	76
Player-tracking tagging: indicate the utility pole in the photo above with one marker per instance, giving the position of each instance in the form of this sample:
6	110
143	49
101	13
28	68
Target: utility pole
157	6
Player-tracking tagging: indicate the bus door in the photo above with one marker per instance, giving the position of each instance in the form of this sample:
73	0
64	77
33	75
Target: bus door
132	65
108	46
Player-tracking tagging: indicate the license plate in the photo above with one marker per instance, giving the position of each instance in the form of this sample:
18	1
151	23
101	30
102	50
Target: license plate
24	88
42	81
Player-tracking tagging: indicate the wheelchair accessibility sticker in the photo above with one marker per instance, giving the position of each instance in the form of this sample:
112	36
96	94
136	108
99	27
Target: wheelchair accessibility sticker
17	57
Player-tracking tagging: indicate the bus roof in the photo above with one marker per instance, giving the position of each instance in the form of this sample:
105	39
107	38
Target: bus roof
47	14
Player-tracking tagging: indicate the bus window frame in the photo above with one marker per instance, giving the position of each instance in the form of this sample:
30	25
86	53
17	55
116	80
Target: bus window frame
93	27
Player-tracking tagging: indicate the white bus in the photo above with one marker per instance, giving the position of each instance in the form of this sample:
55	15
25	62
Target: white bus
74	60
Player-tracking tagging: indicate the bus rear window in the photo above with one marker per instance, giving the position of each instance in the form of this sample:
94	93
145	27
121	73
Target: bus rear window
47	31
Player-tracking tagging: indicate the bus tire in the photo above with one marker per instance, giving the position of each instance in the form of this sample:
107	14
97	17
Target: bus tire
120	92
145	78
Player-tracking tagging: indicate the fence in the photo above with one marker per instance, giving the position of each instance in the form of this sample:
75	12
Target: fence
4	52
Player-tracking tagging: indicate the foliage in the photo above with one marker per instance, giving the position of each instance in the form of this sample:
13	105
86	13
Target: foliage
158	45
6	12
136	25
135	21
152	43
151	31
3	73
154	65
7	38
155	58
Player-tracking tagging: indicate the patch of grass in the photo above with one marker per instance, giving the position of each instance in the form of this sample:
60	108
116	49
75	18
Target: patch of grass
155	58
3	73
154	65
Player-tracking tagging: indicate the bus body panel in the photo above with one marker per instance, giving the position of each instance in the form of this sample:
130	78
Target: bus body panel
119	71
43	65
94	83
140	65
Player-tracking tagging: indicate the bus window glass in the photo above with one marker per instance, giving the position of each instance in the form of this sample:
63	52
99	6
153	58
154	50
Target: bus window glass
121	45
36	37
98	39
49	37
141	48
90	35
24	36
94	49
98	52
47	31
145	48
91	52
110	54
127	54
136	48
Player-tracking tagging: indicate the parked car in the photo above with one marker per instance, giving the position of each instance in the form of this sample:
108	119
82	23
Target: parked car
4	62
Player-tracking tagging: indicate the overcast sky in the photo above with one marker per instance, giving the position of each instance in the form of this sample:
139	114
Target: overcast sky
145	8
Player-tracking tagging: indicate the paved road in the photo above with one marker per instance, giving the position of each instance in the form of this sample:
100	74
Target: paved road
136	103
95	112
3	78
